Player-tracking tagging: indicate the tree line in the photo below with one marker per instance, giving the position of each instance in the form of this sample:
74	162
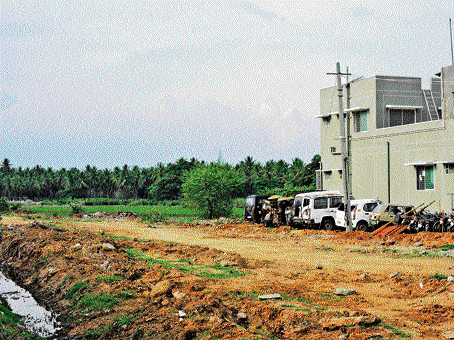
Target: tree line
159	183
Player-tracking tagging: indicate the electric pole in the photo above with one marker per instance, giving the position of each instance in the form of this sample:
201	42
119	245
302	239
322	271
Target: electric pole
345	158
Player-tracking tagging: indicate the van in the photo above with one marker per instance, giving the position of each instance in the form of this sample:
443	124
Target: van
315	209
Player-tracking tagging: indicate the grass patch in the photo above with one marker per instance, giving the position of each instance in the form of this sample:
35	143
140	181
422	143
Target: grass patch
446	247
109	279
97	302
241	295
363	251
76	290
209	272
153	214
439	277
324	248
395	331
413	254
304	301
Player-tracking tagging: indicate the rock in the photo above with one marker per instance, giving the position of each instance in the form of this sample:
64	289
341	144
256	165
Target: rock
161	288
225	263
178	295
182	314
450	278
318	266
105	265
393	275
364	277
418	244
107	246
448	334
344	291
76	247
274	296
241	316
336	323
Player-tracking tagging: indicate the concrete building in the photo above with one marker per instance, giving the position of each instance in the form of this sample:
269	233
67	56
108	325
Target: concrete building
401	145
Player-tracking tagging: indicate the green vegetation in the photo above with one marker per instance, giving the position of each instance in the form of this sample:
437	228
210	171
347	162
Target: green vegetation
446	247
158	185
211	189
4	207
395	331
209	272
97	302
109	279
76	290
439	277
112	326
304	301
150	214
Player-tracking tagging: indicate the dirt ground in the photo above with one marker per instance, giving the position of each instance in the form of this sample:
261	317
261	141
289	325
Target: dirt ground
215	272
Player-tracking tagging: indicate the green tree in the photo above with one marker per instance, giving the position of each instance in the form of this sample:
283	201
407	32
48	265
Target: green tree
211	189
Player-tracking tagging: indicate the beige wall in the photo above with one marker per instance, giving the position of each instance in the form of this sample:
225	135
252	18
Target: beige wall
431	141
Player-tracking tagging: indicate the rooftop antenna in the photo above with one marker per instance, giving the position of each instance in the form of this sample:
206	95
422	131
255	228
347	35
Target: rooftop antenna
450	35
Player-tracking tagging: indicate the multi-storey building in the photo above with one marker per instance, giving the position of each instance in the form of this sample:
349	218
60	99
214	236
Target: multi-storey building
401	145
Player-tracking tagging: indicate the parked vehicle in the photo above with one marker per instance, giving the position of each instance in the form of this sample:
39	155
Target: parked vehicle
388	213
315	209
253	208
274	210
361	213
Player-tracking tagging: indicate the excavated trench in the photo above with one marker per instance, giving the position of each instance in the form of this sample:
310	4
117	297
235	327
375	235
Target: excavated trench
36	319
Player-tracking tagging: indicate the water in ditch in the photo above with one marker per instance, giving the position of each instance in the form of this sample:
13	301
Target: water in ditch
36	318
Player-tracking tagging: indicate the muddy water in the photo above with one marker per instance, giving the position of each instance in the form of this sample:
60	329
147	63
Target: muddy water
36	319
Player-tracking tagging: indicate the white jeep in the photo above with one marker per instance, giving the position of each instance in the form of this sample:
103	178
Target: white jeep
315	209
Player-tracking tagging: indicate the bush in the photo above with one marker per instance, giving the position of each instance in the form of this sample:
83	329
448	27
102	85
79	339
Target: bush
210	188
4	207
76	209
153	217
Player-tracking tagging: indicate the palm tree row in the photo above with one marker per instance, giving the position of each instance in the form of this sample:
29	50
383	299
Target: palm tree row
158	183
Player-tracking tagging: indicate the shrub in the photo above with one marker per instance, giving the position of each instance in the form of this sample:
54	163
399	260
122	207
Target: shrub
153	217
4	207
76	209
210	188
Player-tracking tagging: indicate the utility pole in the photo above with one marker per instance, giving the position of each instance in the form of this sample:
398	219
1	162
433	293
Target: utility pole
345	160
450	35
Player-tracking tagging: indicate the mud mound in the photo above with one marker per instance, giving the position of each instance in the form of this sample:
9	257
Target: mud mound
109	288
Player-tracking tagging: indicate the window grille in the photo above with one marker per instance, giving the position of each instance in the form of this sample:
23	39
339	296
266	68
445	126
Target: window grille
424	177
360	119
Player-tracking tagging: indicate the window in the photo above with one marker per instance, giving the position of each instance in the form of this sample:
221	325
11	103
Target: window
449	168
360	119
321	203
368	207
402	117
424	177
334	202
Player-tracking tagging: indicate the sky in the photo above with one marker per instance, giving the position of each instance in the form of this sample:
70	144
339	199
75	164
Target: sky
129	82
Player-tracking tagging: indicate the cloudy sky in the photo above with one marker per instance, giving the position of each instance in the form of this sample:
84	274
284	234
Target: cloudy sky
128	82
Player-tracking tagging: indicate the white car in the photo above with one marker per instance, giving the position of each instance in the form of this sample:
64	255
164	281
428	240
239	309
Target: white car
361	212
